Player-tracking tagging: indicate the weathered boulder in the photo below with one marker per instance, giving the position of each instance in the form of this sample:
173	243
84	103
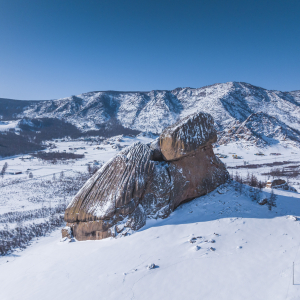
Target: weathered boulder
148	181
187	136
111	194
66	232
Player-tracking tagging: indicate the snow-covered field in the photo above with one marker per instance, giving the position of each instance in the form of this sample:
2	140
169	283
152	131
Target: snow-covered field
252	255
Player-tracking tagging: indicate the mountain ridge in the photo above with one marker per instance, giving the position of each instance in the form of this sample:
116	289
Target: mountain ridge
229	103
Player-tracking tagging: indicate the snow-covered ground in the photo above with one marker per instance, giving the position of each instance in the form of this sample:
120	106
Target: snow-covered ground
6	125
39	168
288	156
251	257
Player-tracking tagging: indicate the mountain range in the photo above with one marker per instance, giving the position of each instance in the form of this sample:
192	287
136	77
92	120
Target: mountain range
242	112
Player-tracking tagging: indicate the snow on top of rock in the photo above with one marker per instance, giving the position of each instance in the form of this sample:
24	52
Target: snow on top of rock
186	129
187	135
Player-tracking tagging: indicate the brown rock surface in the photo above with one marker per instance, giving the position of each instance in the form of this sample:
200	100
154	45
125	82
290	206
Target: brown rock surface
186	136
116	187
148	181
66	232
196	175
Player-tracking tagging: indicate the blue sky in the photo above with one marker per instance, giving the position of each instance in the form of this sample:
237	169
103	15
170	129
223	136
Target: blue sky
56	48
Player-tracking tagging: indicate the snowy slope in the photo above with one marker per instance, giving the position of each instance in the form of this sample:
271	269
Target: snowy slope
253	257
229	103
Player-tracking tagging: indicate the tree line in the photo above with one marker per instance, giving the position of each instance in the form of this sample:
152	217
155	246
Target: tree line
252	181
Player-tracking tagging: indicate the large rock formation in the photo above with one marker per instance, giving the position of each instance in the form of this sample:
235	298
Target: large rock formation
186	136
148	181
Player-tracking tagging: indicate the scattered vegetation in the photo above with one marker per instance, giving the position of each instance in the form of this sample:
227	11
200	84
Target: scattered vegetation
56	155
11	108
256	166
289	172
21	236
22	216
250	180
13	144
112	128
53	195
45	129
255	194
93	169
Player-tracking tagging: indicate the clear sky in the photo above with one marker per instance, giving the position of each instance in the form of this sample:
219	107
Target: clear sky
57	48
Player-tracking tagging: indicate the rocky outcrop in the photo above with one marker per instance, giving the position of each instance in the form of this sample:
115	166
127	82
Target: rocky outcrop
148	181
186	136
66	232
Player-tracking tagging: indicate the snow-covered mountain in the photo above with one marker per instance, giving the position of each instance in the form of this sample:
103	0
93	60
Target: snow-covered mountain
261	129
231	104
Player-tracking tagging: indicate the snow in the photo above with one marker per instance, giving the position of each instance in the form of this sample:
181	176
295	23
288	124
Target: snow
260	267
239	249
6	125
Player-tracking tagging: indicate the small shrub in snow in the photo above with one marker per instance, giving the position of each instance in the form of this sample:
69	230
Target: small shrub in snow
92	169
263	201
255	195
4	169
272	200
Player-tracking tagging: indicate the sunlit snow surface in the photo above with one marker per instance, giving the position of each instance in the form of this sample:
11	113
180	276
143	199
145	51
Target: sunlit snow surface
7	125
253	255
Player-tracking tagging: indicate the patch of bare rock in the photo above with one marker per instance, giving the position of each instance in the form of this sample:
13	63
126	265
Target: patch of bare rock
148	181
